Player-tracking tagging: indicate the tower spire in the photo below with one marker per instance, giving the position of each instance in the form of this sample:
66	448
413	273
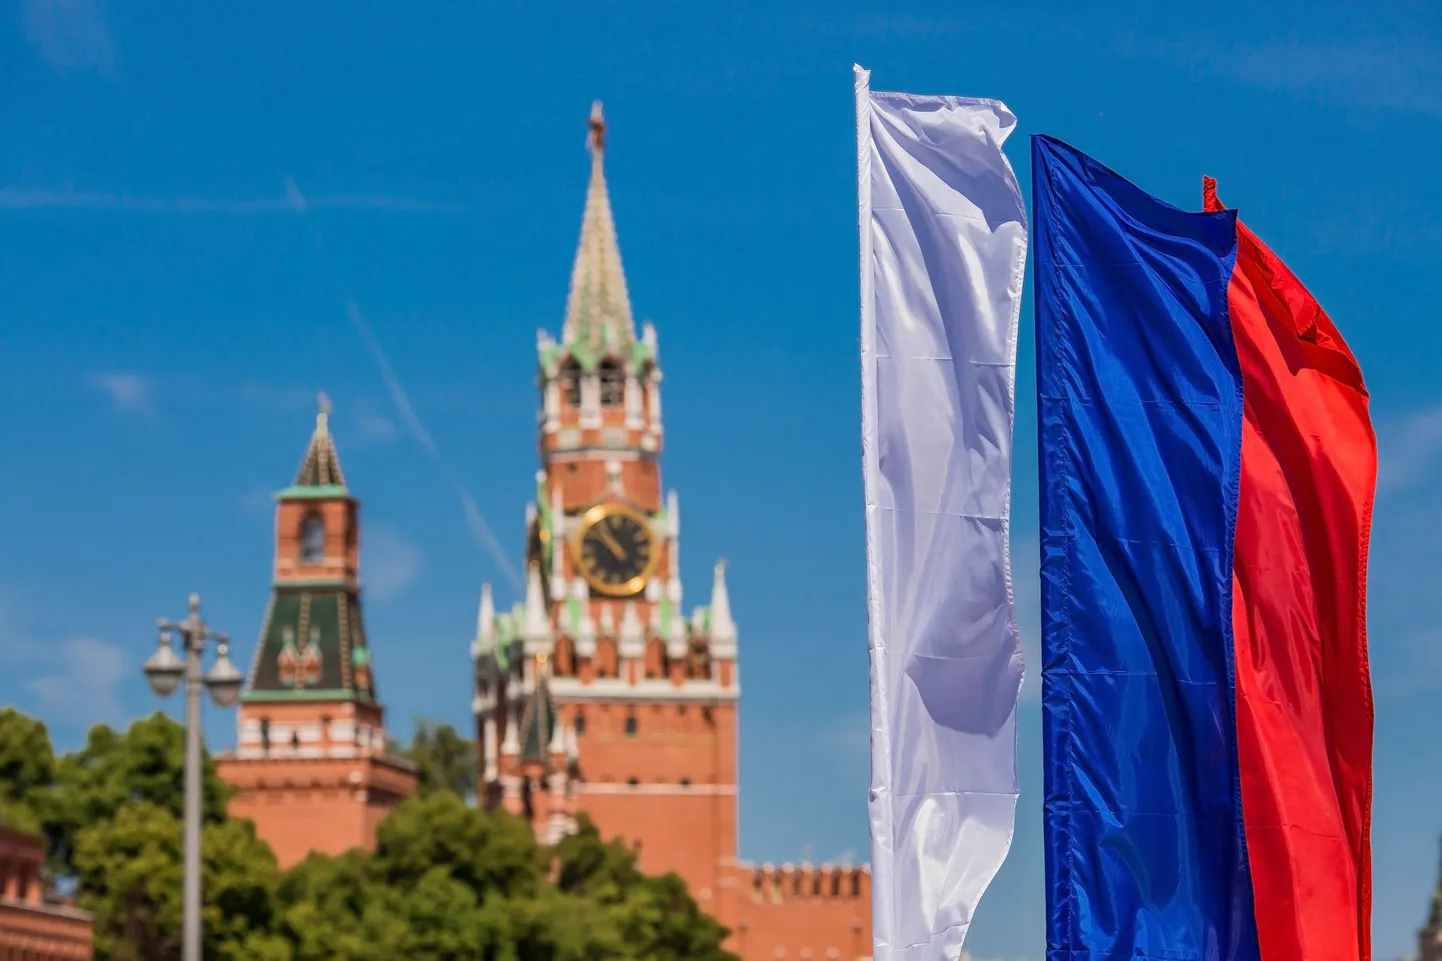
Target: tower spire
321	466
723	628
598	309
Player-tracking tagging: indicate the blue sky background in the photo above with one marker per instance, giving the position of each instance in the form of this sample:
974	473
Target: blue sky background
166	318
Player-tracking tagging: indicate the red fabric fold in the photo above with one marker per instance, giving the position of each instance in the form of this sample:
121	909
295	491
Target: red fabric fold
1304	695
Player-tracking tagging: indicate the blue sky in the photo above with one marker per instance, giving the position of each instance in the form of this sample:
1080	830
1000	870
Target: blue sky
167	317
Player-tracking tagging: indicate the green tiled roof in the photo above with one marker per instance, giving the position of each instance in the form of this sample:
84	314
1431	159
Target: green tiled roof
313	645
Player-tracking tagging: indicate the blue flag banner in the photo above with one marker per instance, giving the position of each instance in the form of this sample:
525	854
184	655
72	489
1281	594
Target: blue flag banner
1140	421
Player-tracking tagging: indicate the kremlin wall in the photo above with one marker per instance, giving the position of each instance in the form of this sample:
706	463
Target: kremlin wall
596	693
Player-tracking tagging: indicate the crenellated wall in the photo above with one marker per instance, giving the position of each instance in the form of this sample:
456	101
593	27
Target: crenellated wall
790	912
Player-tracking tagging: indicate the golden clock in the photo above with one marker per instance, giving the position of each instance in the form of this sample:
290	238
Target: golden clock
614	550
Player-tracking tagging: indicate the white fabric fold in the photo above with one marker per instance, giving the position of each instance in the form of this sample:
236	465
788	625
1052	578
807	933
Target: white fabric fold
943	253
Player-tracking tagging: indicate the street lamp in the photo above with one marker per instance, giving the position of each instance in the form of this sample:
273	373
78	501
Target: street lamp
164	670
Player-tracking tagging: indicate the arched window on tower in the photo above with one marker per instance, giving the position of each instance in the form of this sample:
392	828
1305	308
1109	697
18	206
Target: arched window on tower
312	539
570	378
631	725
613	384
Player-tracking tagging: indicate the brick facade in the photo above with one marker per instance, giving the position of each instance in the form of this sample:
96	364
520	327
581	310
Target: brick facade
33	927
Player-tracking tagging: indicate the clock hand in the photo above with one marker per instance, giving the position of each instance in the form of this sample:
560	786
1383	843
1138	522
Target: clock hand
610	541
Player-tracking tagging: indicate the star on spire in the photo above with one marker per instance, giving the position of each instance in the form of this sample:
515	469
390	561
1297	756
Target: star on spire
596	140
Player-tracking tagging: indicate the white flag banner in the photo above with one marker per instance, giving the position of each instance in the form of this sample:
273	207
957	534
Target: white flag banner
943	252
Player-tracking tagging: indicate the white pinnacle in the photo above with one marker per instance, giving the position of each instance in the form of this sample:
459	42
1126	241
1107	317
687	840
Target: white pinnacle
486	621
723	629
535	628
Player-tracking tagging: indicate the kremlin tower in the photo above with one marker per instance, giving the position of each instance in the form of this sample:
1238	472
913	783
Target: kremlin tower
311	768
597	693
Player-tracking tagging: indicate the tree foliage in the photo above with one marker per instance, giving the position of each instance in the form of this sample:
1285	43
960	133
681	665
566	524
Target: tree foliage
446	880
444	760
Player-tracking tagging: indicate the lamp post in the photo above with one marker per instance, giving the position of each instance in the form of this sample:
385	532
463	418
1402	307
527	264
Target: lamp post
165	670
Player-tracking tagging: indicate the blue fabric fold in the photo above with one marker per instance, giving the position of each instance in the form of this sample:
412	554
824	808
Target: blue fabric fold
1140	425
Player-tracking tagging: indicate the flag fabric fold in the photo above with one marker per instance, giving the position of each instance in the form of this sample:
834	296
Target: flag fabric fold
943	250
1207	467
1304	694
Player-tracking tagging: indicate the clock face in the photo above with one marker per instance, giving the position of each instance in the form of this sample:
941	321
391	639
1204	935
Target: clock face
614	550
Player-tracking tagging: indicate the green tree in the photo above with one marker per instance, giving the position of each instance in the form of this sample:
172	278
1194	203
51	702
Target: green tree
656	917
444	760
487	851
129	874
113	771
323	903
27	762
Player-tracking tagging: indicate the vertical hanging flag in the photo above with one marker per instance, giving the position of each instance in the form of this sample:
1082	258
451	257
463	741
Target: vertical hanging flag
943	253
1299	614
1207	466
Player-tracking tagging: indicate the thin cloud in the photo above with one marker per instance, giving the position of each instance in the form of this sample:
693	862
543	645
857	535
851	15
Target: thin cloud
128	391
377	430
38	199
70	34
88	684
474	518
1402	74
390	563
1410	450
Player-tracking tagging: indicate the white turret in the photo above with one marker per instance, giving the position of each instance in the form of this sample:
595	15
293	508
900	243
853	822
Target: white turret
723	628
535	629
485	641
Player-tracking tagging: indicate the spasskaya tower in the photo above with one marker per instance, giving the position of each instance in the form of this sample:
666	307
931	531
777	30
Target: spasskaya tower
597	693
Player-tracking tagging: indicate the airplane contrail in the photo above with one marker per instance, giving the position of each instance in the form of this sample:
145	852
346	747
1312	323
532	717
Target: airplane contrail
475	520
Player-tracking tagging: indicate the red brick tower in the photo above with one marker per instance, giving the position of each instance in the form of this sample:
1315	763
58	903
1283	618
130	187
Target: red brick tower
311	767
597	692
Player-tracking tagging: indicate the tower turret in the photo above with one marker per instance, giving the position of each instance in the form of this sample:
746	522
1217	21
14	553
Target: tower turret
644	716
311	725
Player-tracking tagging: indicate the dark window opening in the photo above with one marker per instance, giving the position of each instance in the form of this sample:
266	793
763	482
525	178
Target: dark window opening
632	782
265	735
685	782
571	385
580	724
613	385
312	539
631	726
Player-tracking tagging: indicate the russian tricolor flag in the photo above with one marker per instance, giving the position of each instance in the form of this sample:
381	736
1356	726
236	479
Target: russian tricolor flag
1207	475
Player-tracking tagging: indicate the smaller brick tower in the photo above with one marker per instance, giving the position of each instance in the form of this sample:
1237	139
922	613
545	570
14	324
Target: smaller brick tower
311	768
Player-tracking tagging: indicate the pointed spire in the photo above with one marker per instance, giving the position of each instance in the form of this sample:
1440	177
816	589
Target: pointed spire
486	621
598	310
321	466
723	629
536	629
